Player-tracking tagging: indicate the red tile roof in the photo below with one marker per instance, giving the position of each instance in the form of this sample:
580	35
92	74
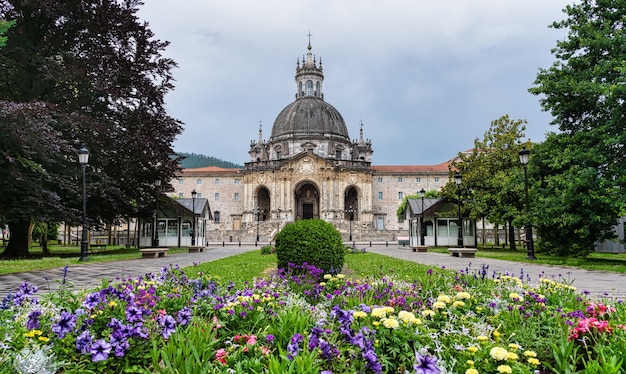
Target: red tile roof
412	169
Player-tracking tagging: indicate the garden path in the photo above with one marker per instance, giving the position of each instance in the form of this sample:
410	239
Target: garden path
88	275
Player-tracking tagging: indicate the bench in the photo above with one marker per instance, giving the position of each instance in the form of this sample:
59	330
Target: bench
196	249
462	252
101	247
153	252
420	248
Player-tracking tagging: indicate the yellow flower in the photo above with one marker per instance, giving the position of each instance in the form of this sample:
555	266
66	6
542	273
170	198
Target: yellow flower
359	314
499	354
328	276
471	371
530	354
472	349
513	346
470	362
439	305
379	313
515	296
427	313
463	296
444	298
496	334
513	356
112	303
391	323
322	284
406	317
340	276
505	369
533	361
482	338
44	339
458	304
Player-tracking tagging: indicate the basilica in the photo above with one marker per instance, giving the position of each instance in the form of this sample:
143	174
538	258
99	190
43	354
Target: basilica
308	168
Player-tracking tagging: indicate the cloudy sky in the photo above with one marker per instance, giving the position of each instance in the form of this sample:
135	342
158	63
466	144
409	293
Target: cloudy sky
425	77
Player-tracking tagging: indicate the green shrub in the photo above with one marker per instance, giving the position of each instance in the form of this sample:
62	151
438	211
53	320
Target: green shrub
313	241
267	250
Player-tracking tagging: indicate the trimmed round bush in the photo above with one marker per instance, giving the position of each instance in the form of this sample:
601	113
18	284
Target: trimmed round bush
313	241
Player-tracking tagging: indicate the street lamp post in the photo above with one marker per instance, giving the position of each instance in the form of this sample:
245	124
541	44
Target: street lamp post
257	213
422	239
524	156
350	211
457	180
157	184
194	194
83	159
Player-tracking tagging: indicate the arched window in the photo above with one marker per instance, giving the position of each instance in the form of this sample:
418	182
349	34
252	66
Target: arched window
299	88
318	89
309	88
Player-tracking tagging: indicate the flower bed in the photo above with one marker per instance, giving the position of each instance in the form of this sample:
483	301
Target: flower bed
304	321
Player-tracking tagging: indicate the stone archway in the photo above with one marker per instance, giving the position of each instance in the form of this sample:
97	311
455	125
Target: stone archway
263	203
307	199
351	204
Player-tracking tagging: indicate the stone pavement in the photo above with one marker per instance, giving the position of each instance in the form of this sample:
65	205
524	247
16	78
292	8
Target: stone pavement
88	275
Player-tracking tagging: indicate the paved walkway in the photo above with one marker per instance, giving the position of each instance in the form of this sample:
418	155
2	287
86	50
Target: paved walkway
90	275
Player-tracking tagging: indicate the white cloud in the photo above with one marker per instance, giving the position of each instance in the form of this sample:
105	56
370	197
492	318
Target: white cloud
426	77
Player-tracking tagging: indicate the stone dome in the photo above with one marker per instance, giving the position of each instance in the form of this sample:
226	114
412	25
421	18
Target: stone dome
309	117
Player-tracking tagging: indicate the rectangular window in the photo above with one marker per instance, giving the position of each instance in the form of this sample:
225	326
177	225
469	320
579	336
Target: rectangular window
380	195
236	181
198	181
180	194
236	196
217	196
436	179
399	179
418	179
400	195
181	181
217	181
198	195
216	216
380	180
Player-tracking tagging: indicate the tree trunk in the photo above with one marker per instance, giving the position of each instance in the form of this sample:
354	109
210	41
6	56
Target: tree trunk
512	236
496	235
44	241
18	242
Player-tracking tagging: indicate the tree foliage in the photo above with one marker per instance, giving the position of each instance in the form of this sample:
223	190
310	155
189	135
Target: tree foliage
582	169
81	72
492	178
4	27
430	194
192	160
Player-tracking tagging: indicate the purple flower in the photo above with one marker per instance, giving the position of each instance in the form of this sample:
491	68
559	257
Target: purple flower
184	316
134	314
33	320
168	324
65	324
294	345
270	338
83	342
100	350
426	364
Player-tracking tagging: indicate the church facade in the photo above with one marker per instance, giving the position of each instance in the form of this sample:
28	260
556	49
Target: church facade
309	168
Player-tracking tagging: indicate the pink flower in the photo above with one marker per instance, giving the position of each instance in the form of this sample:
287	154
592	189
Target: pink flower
220	356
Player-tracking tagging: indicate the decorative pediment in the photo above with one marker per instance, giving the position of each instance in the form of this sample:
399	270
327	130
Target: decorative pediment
306	163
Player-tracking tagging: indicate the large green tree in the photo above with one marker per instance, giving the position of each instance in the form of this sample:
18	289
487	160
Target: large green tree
81	72
492	178
4	26
582	167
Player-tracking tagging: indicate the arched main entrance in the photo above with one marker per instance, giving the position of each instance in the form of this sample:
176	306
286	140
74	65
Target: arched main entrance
351	204
307	198
263	204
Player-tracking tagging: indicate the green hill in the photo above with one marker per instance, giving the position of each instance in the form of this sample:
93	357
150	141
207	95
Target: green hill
192	160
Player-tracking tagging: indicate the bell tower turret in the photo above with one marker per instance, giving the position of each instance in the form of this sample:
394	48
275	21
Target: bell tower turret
309	76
